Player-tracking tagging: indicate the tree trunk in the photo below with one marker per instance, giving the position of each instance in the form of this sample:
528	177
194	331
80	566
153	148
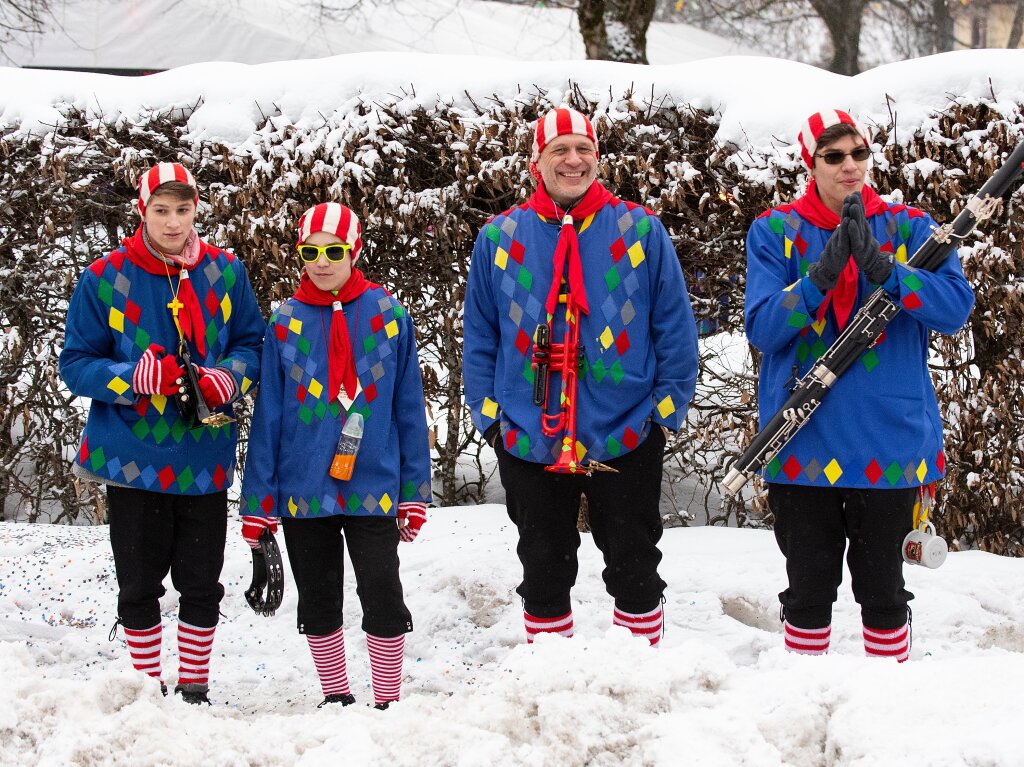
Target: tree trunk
843	20
943	38
615	30
1017	26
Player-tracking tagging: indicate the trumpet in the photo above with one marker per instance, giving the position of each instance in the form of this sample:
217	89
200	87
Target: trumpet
564	359
190	399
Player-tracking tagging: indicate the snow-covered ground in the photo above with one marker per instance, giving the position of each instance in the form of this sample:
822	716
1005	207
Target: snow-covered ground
720	690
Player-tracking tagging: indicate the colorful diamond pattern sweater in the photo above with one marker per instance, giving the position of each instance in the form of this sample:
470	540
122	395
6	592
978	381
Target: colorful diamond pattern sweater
118	309
639	340
879	427
295	428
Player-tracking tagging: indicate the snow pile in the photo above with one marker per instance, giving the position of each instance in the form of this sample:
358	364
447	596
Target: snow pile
720	691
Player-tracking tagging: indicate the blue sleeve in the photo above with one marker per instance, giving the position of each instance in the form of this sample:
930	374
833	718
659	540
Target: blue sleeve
245	336
481	338
775	309
941	300
260	480
673	333
411	421
89	362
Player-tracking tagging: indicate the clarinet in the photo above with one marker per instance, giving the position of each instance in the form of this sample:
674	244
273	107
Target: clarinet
864	329
191	403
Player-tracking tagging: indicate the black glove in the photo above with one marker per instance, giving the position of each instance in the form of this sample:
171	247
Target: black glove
876	265
492	432
824	273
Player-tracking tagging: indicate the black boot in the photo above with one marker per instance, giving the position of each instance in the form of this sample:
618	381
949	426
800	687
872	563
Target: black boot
344	698
196	694
384	706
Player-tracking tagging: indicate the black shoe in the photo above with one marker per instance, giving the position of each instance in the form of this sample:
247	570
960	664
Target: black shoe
196	694
384	706
345	699
163	689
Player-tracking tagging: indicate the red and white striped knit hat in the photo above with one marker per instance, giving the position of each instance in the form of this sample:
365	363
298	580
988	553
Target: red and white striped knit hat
333	218
559	122
816	125
162	173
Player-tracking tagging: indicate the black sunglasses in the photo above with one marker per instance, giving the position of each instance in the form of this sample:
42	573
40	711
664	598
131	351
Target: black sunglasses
335	253
834	156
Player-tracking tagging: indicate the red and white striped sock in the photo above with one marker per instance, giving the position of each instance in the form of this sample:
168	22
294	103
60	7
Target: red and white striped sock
648	625
328	653
561	625
386	655
888	643
144	647
194	647
807	641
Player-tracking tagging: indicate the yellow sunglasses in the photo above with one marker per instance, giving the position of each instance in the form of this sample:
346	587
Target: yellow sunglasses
335	252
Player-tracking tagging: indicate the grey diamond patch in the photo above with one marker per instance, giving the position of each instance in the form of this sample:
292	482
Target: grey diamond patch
515	313
508	226
122	284
790	300
377	371
625	222
212	272
370	503
130	471
627	313
812	470
295	373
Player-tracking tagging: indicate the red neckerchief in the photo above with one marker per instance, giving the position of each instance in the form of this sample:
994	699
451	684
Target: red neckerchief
341	365
191	320
568	245
810	207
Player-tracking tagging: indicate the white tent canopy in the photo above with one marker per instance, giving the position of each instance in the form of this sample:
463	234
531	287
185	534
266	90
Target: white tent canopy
145	35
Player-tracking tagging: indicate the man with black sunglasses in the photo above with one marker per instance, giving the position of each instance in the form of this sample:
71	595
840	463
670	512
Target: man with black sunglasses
873	450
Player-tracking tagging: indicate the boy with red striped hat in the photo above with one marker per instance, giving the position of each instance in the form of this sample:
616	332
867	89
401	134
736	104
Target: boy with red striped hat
164	294
575	244
340	349
854	472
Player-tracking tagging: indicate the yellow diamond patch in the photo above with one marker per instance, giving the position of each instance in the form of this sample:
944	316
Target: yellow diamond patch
901	254
292	508
385	503
833	471
159	403
246	383
225	307
666	407
117	385
922	471
116	320
489	408
607	339
295	325
391	328
636	254
501	258
789	246
315	388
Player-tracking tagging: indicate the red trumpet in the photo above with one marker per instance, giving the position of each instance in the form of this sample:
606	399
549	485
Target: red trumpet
564	359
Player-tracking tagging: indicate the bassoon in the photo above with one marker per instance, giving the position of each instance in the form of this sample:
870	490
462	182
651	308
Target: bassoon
863	330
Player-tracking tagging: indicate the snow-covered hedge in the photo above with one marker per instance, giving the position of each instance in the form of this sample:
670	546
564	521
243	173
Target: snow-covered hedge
424	178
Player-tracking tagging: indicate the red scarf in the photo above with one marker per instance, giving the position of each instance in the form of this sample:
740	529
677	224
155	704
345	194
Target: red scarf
190	318
341	364
810	207
568	246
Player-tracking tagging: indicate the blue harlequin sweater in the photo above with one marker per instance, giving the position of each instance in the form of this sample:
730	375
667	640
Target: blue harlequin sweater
879	427
639	339
118	309
295	428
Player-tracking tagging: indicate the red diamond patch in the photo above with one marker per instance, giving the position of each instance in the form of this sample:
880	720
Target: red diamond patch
622	343
792	468
630	438
912	302
522	342
516	250
873	472
377	323
166	477
618	250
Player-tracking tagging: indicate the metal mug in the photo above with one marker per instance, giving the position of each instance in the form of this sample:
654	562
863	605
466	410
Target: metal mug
923	547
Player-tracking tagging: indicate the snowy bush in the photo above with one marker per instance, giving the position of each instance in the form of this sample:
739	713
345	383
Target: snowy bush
424	178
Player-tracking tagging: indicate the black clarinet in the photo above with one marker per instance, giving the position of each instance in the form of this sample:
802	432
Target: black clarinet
191	403
864	329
